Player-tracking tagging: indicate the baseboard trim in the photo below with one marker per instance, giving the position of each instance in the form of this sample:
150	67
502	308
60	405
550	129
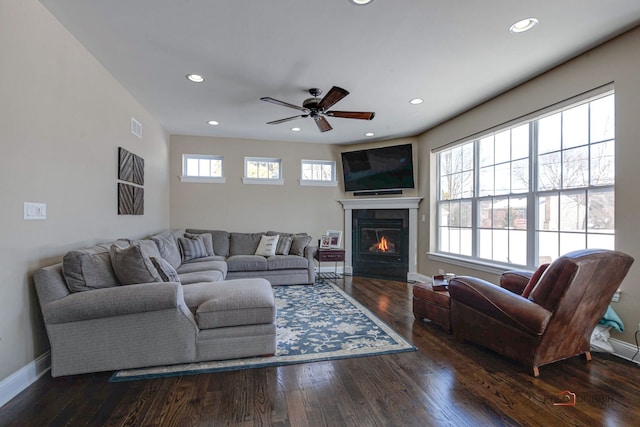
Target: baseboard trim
624	350
15	383
417	277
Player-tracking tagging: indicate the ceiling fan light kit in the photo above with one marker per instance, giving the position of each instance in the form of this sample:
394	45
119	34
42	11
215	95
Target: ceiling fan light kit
317	108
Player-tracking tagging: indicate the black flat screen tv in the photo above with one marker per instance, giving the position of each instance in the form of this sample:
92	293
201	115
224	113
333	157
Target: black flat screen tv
385	168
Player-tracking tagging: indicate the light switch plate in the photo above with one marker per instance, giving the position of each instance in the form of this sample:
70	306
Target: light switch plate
35	211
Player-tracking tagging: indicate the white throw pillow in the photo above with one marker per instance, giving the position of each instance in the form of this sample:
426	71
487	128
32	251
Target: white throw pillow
268	245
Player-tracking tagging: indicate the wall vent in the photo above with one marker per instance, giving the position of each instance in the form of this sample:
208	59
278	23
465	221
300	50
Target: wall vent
136	127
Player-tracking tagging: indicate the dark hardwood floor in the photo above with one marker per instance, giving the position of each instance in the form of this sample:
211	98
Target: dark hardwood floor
446	382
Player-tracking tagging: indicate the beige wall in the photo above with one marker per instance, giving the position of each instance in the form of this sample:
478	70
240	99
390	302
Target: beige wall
234	206
617	61
62	117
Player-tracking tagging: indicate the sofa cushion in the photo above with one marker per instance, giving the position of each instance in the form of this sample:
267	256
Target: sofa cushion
167	243
236	303
299	244
199	265
90	268
164	269
148	246
286	262
244	243
192	248
204	259
205	276
246	263
207	239
220	240
131	265
267	245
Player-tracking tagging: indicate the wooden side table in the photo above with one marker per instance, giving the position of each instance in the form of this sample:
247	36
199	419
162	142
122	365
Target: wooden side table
330	255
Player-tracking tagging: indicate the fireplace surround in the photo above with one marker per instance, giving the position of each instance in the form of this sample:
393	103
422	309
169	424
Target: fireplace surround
407	204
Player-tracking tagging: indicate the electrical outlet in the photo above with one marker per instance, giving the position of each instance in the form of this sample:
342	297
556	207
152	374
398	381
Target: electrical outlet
441	272
638	326
616	296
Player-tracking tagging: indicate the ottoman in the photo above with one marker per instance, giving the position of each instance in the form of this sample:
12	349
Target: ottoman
432	305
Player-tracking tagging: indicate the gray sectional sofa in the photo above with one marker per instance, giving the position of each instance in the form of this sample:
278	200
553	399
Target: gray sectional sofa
177	297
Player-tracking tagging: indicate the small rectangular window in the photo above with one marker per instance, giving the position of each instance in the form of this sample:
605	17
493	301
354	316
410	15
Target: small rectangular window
202	168
318	172
261	170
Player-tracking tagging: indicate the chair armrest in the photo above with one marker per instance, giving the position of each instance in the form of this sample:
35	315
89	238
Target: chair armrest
515	280
500	304
115	301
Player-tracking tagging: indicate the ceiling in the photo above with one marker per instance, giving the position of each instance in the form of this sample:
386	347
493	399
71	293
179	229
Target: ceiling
452	53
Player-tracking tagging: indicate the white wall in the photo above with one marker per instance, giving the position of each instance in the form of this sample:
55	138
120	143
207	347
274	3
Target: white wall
617	61
62	119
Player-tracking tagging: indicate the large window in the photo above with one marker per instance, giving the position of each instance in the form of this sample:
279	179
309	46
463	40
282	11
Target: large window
529	193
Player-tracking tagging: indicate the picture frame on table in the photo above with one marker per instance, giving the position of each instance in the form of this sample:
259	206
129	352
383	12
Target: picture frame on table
325	241
335	239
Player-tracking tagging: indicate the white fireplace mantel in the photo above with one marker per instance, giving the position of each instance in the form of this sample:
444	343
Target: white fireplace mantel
410	203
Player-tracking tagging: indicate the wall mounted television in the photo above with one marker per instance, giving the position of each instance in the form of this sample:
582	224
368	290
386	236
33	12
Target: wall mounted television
385	168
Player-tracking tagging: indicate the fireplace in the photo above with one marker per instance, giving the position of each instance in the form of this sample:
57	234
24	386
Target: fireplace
407	204
380	243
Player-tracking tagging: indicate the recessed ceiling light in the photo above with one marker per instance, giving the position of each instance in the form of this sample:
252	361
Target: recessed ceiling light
361	2
196	78
416	101
213	123
369	134
523	25
295	129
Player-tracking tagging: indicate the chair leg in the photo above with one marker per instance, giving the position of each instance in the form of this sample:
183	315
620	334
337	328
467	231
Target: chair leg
588	356
536	372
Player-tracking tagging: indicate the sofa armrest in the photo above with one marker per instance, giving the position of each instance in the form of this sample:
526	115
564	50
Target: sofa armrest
515	280
500	304
115	301
310	253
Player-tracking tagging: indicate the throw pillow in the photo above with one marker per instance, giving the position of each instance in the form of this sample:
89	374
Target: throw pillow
131	265
165	270
207	239
284	245
299	243
267	245
192	248
534	280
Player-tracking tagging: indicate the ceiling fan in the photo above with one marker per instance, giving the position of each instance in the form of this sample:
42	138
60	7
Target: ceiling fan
316	108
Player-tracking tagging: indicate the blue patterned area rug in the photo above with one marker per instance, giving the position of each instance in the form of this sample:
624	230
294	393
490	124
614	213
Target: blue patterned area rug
314	323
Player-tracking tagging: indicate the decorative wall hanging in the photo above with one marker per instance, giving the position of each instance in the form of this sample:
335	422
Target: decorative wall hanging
130	199
131	167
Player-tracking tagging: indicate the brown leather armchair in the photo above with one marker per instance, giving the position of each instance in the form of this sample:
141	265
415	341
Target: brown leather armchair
555	319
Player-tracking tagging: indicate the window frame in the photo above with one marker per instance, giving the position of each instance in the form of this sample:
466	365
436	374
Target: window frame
202	179
265	181
532	196
318	182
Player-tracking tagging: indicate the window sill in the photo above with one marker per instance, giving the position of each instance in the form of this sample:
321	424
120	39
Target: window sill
484	266
312	183
203	179
263	181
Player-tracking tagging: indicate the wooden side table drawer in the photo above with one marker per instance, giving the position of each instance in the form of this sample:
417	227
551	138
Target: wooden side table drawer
330	255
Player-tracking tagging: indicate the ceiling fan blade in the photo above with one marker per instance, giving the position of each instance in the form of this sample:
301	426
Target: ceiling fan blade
275	122
362	115
322	124
334	95
284	104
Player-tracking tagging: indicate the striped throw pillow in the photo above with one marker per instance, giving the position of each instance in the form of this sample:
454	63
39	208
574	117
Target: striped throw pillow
192	248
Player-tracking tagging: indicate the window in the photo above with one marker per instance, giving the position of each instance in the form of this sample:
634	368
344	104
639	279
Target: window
259	170
202	168
318	172
527	194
